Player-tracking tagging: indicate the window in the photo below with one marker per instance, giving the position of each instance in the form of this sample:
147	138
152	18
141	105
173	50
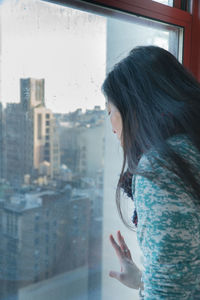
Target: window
46	152
166	2
65	208
39	126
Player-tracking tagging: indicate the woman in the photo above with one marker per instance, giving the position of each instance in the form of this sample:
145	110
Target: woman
154	108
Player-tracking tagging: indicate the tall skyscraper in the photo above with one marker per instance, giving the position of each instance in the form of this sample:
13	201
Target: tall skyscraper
32	147
32	93
15	142
1	143
1	117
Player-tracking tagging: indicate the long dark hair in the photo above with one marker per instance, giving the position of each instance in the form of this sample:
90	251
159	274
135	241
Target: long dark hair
157	98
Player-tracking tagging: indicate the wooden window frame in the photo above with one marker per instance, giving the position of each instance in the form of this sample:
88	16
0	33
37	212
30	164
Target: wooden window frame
190	22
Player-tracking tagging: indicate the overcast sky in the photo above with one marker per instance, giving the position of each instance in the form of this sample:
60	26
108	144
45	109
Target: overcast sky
67	47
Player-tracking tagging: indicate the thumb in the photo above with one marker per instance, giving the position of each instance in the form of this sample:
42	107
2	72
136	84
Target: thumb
115	275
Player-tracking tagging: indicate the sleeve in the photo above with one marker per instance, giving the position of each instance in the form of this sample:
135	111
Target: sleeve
168	235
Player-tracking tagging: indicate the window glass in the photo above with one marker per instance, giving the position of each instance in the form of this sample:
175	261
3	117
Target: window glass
59	161
166	2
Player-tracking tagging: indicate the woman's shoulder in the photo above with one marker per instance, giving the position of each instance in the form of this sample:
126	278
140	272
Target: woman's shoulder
180	144
152	165
155	184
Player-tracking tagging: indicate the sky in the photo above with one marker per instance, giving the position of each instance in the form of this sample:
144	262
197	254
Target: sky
65	46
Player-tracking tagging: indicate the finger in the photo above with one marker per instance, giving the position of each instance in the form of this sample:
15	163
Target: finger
115	275
116	247
121	240
123	245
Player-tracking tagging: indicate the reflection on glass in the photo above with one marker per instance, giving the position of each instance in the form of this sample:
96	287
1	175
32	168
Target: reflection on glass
166	2
52	143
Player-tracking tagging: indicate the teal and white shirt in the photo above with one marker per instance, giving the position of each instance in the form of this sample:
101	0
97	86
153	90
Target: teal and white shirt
168	230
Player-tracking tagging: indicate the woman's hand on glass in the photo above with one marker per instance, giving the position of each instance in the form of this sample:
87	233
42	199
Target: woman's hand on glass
130	274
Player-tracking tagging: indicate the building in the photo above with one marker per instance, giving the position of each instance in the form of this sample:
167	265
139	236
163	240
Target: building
43	234
31	136
32	93
1	143
18	148
46	142
80	150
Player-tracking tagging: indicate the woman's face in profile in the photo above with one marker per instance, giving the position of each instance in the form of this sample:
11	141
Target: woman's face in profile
115	119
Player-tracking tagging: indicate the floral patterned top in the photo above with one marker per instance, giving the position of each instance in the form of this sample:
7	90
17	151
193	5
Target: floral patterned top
168	230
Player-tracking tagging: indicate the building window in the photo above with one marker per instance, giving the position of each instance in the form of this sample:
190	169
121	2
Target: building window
39	126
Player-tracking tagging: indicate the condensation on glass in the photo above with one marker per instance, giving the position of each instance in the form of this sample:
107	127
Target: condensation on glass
55	204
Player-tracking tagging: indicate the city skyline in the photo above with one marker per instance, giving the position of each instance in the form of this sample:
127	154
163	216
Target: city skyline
49	140
51	176
64	46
